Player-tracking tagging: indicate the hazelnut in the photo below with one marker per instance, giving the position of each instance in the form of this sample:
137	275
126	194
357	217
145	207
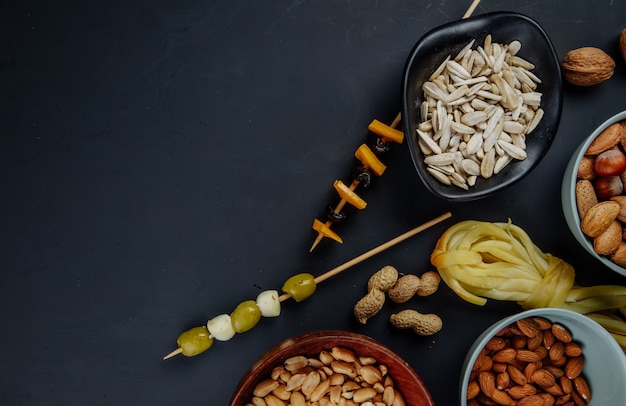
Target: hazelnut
587	66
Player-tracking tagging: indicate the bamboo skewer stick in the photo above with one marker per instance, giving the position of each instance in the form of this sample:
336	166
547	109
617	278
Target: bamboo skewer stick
379	248
342	202
374	251
368	254
471	9
394	124
177	351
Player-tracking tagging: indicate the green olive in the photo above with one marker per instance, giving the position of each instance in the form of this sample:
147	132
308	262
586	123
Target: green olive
300	286
245	316
195	341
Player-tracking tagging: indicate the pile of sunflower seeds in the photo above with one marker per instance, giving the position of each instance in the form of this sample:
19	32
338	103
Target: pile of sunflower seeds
478	109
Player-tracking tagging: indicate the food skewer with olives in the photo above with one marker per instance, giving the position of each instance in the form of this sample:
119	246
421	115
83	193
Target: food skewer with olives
268	303
369	163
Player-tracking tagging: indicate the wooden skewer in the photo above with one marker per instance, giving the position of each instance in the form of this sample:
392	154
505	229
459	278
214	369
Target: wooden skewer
471	9
374	251
394	124
368	254
342	202
177	351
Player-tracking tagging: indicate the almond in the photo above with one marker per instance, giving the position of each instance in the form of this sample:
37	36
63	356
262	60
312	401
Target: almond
585	168
543	378
548	339
574	367
506	355
534	400
599	217
563	400
608	138
516	375
561	333
527	356
619	256
587	66
473	389
566	384
487	383
495	344
522	391
502	380
586	197
573	350
528	327
502	398
609	240
554	390
582	388
557	350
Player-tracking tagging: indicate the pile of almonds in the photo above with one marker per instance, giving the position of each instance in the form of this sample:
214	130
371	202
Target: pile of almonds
600	197
530	362
335	377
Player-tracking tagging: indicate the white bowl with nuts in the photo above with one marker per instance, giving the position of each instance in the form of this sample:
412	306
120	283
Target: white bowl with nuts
331	367
593	196
482	103
544	356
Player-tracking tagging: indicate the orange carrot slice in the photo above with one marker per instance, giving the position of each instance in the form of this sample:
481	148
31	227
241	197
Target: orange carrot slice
323	229
370	160
348	195
386	132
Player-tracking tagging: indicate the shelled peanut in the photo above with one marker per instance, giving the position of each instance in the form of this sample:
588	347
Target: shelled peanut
530	362
600	197
334	376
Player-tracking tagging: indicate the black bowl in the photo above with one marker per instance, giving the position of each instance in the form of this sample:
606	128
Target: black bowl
449	39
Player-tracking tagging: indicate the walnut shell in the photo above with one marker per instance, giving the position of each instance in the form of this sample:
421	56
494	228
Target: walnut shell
622	43
587	66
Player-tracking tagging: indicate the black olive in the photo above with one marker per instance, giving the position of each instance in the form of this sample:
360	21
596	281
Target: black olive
334	216
380	146
363	175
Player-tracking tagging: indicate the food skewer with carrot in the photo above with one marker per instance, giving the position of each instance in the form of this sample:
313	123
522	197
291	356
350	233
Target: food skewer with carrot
369	164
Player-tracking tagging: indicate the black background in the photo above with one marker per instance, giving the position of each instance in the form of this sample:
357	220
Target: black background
162	161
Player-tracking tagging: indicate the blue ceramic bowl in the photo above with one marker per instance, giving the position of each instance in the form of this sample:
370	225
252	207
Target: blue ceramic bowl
568	195
605	362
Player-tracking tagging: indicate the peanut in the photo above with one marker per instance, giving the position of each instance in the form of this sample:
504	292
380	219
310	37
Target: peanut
377	285
422	324
356	384
409	285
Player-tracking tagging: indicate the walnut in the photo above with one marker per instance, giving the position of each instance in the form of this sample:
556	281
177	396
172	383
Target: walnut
622	43
587	66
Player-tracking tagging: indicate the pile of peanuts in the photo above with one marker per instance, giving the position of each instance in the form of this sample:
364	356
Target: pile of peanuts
530	362
400	289
334	377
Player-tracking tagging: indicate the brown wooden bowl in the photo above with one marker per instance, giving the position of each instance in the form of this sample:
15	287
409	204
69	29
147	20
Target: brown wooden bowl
406	380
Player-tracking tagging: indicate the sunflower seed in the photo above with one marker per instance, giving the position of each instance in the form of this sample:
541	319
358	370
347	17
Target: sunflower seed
513	150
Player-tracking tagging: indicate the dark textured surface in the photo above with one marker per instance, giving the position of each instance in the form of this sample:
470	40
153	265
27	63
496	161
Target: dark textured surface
162	161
